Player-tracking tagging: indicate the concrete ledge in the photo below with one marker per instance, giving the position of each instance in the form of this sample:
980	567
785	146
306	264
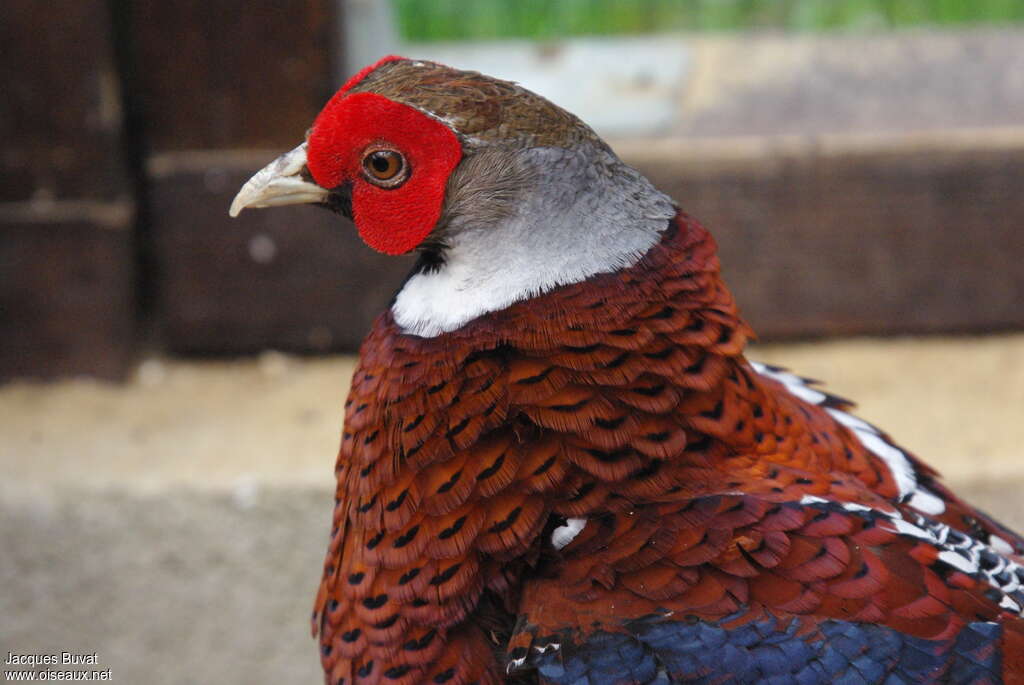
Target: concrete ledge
175	524
190	587
275	421
180	587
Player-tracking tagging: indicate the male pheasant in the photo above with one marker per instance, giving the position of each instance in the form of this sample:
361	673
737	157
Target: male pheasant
557	465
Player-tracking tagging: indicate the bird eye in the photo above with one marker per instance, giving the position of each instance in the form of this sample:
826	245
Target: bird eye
385	168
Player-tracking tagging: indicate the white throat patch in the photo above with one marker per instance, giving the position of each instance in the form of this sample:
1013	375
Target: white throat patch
588	213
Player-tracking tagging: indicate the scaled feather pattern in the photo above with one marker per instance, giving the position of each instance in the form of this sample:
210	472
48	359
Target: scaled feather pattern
729	520
593	484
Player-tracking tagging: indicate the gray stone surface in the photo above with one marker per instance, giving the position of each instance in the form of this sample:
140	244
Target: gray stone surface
186	588
169	588
175	525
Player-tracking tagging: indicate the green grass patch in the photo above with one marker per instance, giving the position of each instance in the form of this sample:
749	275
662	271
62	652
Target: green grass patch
440	20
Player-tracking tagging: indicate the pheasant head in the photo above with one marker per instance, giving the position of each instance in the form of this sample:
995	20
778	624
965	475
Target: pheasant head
504	194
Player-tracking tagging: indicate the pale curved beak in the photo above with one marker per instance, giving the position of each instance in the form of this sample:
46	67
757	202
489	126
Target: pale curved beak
279	183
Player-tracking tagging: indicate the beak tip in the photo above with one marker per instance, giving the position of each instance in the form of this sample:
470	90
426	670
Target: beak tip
247	195
278	183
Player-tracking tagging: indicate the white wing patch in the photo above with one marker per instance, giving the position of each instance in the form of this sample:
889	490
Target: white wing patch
794	384
925	501
974	558
1000	545
910	489
563	535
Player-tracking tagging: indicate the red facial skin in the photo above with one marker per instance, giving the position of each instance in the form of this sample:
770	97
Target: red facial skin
390	220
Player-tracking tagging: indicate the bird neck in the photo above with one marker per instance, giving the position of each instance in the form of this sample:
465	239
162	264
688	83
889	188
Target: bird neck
581	212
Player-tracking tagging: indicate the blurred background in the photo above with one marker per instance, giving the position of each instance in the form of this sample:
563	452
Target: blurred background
173	379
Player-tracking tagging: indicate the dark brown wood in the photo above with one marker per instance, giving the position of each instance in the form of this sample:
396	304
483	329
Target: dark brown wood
232	73
293	278
67	283
206	75
66	290
814	243
862	240
60	114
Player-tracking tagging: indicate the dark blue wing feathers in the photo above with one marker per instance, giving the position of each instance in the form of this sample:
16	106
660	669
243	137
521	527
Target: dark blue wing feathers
763	651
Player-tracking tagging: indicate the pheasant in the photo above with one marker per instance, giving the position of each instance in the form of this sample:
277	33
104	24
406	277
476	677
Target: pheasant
558	466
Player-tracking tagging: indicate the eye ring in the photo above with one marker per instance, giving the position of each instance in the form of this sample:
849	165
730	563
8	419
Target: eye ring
385	167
